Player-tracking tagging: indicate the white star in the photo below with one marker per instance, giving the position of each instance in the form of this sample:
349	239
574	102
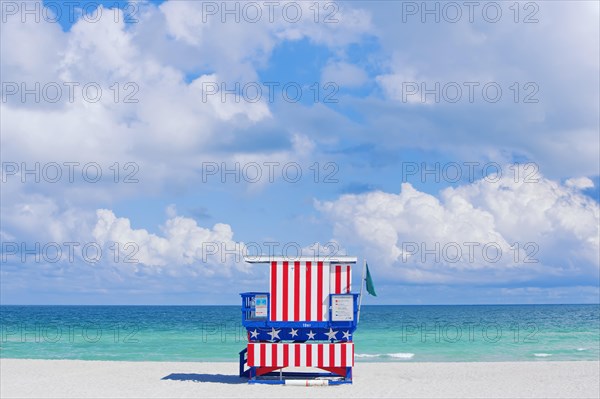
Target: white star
331	335
311	335
254	334
274	334
294	332
347	335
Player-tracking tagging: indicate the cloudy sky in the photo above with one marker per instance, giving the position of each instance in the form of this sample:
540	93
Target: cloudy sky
147	146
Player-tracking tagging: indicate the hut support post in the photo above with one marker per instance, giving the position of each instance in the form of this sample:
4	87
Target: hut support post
362	284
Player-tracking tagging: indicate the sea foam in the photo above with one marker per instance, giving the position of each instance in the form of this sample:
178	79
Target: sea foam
393	355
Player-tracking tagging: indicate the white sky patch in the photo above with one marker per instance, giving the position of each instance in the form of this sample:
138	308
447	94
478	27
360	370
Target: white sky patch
171	211
404	87
580	183
42	219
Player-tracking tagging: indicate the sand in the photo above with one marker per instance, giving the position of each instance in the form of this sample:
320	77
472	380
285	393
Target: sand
107	379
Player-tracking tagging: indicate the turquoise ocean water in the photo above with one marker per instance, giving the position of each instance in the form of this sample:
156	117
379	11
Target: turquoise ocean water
385	333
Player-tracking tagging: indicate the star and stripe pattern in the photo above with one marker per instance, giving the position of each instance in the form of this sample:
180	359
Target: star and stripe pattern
300	355
298	334
300	289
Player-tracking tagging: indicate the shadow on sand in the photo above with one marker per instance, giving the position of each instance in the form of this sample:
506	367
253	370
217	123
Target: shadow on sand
218	378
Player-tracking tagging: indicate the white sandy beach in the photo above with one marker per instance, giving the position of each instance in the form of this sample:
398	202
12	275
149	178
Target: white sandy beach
104	379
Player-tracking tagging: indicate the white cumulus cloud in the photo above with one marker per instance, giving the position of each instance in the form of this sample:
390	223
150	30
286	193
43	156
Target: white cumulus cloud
506	230
212	250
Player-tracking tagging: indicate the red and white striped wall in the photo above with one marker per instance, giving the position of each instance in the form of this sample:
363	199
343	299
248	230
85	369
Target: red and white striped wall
300	289
340	279
339	354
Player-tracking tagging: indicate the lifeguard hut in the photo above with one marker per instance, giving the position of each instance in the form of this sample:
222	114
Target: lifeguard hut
303	324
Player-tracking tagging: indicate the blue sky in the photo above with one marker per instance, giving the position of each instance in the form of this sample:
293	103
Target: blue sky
403	139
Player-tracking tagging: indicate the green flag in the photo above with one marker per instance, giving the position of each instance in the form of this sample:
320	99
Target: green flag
370	286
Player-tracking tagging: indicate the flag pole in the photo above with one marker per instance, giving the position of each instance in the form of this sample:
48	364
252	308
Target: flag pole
362	284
